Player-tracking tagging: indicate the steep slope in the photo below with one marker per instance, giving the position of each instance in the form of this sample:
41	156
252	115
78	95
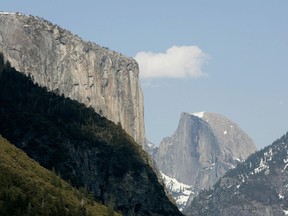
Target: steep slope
204	146
82	146
150	148
84	71
258	186
181	192
26	188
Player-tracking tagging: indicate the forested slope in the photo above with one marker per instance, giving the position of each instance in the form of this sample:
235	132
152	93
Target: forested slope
83	147
26	188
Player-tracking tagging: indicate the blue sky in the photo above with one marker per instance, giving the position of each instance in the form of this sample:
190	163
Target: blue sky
239	50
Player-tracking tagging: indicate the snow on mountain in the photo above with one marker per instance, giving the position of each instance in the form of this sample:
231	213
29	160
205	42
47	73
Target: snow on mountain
150	148
257	186
181	192
6	13
203	148
198	114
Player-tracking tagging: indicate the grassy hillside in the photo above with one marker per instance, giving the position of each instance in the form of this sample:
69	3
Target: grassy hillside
26	188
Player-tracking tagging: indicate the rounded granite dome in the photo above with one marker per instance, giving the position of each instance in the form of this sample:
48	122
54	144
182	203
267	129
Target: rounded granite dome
202	149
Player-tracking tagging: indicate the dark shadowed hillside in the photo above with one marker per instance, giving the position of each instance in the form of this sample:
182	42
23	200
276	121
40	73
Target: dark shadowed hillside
83	71
83	147
26	188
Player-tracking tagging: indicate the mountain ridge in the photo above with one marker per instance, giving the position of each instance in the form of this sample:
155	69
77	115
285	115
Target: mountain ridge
257	186
84	147
84	71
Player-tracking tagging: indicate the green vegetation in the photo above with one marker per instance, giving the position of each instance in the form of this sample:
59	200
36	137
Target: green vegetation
42	123
83	147
26	188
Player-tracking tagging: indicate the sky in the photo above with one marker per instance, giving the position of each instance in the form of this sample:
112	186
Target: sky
223	56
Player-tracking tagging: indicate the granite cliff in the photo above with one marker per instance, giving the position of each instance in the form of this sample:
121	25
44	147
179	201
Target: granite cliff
258	187
202	149
84	71
83	147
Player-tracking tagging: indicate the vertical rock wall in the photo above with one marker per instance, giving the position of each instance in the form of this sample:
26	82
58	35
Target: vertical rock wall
84	71
202	149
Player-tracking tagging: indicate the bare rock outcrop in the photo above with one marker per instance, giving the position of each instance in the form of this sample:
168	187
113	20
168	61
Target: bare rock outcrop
202	149
84	71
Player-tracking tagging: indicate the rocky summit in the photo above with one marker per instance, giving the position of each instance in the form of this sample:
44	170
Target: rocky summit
202	149
84	71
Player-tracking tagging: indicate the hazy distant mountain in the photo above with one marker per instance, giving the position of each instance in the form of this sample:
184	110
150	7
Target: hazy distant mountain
257	187
202	149
150	148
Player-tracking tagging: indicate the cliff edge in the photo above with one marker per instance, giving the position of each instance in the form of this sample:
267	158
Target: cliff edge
65	64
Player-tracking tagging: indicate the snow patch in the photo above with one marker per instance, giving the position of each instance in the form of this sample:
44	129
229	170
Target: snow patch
7	13
268	155
180	191
285	212
198	114
225	132
280	196
237	159
286	164
151	145
209	168
262	166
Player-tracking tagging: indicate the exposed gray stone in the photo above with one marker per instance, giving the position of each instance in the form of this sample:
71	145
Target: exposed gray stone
84	71
202	149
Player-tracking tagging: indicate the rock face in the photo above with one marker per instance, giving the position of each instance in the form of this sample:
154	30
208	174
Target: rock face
84	71
84	148
257	187
202	149
150	148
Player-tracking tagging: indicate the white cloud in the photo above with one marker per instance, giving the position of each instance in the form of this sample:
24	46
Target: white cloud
177	62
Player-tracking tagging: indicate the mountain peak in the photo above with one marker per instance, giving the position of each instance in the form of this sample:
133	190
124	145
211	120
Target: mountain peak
204	146
198	114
